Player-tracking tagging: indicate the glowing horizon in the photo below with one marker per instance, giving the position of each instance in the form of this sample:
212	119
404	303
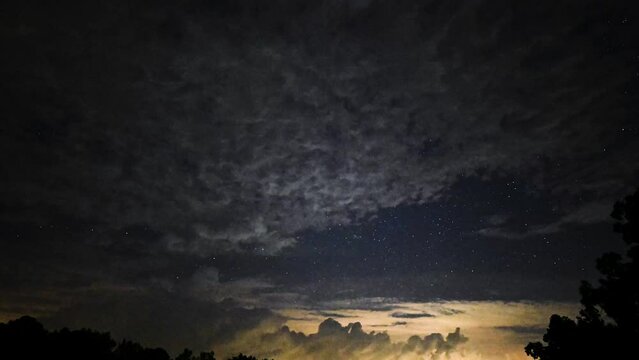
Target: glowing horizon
496	329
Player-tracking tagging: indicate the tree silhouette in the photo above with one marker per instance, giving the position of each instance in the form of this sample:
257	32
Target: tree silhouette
241	356
26	339
206	356
188	355
608	323
185	355
81	344
128	350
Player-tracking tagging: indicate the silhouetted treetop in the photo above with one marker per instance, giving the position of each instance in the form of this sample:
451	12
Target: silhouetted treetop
241	356
131	350
188	355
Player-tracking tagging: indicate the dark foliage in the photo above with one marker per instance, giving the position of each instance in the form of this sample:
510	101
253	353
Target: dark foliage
130	350
608	324
26	339
188	355
243	357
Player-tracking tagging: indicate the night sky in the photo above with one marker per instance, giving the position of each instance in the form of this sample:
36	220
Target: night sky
198	173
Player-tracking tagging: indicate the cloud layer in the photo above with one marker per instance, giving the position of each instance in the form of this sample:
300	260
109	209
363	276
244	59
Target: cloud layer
232	127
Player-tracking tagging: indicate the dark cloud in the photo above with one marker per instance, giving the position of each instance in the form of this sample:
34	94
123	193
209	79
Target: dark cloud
449	311
524	330
359	303
331	314
588	213
405	315
396	323
165	319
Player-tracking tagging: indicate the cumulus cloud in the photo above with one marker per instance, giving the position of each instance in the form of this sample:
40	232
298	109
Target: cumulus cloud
334	341
158	318
196	310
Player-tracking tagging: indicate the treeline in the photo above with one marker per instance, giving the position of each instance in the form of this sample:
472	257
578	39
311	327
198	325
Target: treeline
26	339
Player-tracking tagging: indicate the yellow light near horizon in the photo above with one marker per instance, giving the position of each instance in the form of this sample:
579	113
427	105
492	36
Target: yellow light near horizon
485	323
